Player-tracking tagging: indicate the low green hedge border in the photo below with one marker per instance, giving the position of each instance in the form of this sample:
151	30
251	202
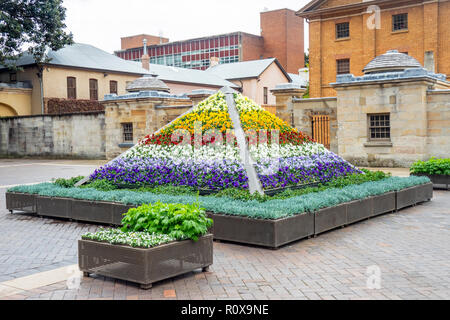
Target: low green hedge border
432	167
271	209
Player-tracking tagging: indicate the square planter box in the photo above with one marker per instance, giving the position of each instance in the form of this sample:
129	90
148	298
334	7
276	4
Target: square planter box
359	210
406	198
93	211
54	207
330	218
267	233
119	211
424	192
383	203
21	201
145	266
439	180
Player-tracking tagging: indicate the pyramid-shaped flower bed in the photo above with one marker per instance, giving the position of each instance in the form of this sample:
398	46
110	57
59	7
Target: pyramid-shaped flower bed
199	150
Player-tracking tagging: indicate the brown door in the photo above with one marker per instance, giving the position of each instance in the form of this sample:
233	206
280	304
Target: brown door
321	129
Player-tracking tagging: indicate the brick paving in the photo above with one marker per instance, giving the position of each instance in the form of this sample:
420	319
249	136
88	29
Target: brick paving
410	249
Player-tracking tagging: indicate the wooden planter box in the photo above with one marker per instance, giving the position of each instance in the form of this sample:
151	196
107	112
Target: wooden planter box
411	196
145	266
266	233
406	198
330	218
359	210
21	201
424	193
54	207
439	181
92	211
383	203
119	211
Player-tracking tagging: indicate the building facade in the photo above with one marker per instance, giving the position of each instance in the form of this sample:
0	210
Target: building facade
345	35
393	115
79	76
282	37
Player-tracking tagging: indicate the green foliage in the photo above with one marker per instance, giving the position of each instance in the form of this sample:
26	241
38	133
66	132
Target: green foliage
273	208
171	190
433	166
68	183
180	221
354	179
37	24
102	185
132	239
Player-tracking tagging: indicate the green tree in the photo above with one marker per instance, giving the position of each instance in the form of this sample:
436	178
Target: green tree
37	25
307	59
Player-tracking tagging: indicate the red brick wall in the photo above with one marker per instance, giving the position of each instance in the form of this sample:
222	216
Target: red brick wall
428	30
283	35
252	47
137	41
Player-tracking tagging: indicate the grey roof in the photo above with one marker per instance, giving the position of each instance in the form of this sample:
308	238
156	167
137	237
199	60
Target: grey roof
147	83
287	86
183	75
411	73
85	56
144	94
391	60
244	69
297	79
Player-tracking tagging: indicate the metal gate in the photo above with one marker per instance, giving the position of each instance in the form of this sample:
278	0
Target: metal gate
321	129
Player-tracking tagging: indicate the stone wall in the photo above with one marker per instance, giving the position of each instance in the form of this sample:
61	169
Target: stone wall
63	106
75	136
438	117
304	109
147	116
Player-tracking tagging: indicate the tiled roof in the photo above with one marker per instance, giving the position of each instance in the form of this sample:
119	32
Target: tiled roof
184	75
392	60
297	79
244	69
147	83
86	56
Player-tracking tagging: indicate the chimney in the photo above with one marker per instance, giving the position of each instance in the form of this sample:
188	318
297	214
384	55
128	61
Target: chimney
145	57
214	61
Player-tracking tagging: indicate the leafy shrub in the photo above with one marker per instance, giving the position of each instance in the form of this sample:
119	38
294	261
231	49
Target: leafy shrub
432	166
102	185
68	183
180	221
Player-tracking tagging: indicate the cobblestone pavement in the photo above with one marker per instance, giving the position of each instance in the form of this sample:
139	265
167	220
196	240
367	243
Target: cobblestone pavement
410	249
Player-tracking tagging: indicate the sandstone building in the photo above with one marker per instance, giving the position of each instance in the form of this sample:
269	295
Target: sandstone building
395	114
345	35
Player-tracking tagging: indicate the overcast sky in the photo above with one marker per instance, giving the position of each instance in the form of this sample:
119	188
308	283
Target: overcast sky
103	22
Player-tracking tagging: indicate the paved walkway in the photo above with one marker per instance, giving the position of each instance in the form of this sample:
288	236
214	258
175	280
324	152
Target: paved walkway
408	249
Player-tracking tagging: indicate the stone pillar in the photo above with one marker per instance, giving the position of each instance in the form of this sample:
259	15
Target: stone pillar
198	96
284	94
315	59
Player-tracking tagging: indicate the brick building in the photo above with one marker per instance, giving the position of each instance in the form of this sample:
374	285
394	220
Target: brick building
282	37
345	35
